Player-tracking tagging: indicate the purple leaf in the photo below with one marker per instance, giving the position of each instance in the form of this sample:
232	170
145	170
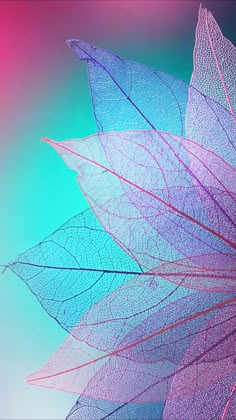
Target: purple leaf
200	383
88	408
209	403
141	188
131	96
139	346
218	274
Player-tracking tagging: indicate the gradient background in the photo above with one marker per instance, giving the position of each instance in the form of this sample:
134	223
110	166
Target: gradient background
44	92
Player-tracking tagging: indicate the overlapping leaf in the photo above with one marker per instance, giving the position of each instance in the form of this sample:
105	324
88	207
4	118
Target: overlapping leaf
144	98
160	177
141	344
195	391
215	402
141	188
214	75
128	87
88	408
217	275
131	96
214	60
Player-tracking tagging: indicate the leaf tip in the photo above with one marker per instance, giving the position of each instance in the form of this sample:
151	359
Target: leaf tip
48	141
29	380
33	378
82	50
71	43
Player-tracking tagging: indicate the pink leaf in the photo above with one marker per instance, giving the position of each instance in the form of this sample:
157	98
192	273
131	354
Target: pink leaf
140	186
148	345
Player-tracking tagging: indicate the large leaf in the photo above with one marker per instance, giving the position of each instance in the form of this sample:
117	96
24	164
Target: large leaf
131	96
73	268
141	346
113	317
141	188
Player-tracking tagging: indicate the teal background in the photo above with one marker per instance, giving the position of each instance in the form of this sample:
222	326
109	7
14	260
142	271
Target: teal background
44	92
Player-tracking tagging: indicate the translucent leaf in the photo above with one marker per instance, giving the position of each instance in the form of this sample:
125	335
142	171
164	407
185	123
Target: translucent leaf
214	75
114	316
73	268
133	356
214	62
218	274
209	403
205	389
131	96
88	408
140	186
166	194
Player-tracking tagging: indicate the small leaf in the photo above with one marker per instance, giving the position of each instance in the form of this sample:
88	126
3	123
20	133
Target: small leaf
214	62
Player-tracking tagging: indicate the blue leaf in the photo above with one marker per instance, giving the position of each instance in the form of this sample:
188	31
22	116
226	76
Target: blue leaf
74	267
